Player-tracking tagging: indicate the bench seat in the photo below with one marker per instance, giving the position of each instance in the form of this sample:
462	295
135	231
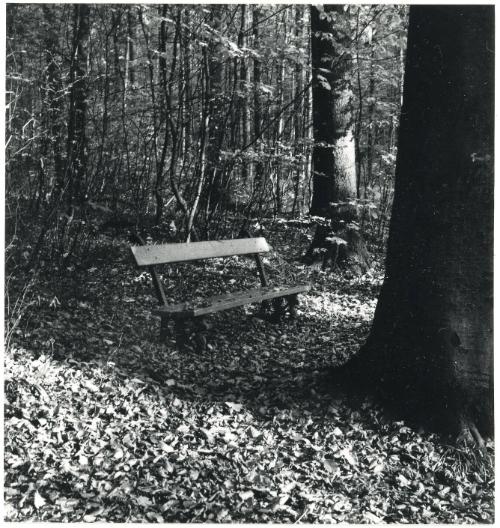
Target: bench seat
218	303
150	256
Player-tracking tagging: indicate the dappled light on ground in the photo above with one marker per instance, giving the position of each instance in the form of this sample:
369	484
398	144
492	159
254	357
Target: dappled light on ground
105	423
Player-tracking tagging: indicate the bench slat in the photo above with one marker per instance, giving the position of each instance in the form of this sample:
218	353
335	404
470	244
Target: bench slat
229	300
170	253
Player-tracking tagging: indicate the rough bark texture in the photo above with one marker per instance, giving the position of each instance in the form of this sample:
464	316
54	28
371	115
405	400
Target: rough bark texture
298	108
334	160
431	342
333	155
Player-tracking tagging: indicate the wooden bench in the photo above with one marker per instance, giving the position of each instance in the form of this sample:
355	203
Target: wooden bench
150	256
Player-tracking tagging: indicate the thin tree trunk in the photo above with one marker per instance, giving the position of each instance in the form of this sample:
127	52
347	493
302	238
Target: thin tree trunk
257	105
370	142
244	82
131	38
216	101
100	169
202	147
359	120
160	165
54	100
279	139
77	140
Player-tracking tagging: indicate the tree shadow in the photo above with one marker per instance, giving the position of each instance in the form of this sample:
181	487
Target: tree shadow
268	367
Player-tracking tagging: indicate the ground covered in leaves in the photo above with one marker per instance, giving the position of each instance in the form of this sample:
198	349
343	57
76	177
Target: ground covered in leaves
105	423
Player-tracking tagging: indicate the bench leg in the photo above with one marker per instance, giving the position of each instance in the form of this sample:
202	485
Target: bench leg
293	301
263	309
164	329
191	333
279	310
181	336
200	341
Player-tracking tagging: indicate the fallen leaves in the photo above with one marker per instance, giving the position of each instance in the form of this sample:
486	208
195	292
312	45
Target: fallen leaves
39	501
331	466
349	456
246	433
236	407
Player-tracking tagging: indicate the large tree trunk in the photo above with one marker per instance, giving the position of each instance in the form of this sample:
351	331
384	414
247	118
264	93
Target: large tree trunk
431	344
334	160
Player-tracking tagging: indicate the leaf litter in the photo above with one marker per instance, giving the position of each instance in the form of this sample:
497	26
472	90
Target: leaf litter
105	423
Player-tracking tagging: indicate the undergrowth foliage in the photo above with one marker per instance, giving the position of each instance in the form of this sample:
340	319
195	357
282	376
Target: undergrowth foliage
105	423
184	114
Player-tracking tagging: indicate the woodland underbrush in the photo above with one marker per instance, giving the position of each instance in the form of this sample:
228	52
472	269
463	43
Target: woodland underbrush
103	422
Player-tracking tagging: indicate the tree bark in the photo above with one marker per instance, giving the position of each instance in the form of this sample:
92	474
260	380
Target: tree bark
431	344
160	161
333	154
334	160
131	39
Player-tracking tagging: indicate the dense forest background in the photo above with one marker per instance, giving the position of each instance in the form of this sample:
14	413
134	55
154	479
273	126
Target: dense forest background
370	398
184	121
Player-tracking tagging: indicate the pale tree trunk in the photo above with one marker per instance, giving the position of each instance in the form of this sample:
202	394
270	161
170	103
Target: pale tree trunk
131	39
431	344
307	130
334	160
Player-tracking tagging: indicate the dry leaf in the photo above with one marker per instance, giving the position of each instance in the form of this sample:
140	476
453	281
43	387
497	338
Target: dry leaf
237	407
39	500
331	466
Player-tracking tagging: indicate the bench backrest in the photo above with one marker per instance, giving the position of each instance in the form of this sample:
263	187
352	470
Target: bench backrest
171	253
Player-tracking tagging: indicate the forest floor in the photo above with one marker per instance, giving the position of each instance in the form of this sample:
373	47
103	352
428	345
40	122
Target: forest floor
105	423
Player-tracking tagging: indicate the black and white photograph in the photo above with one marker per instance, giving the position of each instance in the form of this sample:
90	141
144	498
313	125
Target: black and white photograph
248	263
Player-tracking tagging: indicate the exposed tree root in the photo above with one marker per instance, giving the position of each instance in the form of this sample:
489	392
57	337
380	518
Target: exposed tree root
469	434
340	248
